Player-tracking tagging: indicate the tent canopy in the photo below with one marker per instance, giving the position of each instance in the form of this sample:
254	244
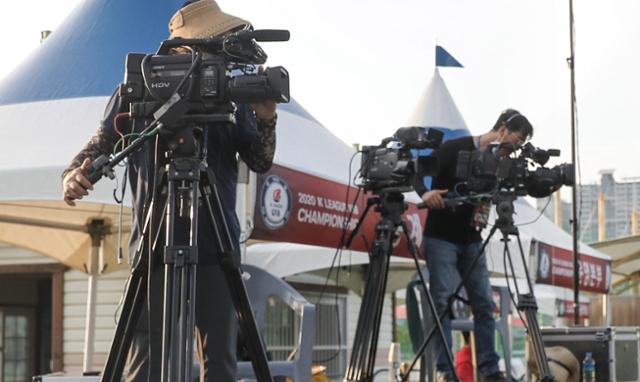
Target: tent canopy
287	259
625	253
48	113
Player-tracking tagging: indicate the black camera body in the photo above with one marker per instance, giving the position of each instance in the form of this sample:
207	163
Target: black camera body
214	83
486	171
391	166
203	74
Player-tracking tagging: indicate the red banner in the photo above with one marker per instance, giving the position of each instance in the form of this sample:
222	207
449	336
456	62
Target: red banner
296	207
565	309
555	267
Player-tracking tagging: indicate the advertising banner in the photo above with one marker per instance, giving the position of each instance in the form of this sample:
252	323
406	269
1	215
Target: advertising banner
297	207
555	267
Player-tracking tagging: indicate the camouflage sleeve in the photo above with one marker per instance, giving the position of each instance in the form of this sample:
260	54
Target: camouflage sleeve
259	155
103	141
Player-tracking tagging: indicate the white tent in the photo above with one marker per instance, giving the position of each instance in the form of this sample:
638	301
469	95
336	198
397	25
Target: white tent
437	109
47	114
534	227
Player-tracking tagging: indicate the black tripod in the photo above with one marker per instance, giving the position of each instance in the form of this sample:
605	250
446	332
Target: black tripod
391	206
526	302
185	182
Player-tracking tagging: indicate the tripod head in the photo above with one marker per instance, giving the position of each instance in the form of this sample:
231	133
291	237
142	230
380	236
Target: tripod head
390	205
505	210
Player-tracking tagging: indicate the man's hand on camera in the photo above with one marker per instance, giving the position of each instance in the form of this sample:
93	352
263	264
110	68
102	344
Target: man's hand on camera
264	110
433	199
75	184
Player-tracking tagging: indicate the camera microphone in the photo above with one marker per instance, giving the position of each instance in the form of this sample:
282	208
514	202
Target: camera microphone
266	35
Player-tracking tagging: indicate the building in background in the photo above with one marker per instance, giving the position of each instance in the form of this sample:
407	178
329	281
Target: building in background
620	201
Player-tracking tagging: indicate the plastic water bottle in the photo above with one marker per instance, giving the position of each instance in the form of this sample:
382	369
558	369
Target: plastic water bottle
588	368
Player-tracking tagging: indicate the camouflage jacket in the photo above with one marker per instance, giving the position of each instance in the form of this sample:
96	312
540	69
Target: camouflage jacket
253	140
258	155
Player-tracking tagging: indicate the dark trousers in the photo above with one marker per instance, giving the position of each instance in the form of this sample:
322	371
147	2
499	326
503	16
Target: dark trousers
216	330
446	262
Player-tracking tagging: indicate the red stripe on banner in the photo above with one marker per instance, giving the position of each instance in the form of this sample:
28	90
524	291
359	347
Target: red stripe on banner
555	267
296	207
565	309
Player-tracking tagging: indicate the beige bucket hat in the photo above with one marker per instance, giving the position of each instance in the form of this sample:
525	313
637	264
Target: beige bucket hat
203	19
564	366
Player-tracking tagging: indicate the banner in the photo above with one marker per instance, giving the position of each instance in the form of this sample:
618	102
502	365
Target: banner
555	267
565	309
297	207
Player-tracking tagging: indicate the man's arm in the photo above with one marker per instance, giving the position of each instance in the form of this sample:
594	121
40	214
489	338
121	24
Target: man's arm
445	156
255	135
75	185
101	143
259	154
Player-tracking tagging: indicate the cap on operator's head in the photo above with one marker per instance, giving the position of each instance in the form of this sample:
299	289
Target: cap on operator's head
514	121
201	19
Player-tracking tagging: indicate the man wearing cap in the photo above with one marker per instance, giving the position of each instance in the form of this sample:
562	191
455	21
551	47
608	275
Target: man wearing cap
253	139
452	241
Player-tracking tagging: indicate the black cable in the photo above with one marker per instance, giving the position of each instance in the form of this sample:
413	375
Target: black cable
574	105
144	66
539	215
338	255
154	195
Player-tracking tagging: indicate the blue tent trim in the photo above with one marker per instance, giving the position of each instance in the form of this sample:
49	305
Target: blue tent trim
448	135
444	58
85	56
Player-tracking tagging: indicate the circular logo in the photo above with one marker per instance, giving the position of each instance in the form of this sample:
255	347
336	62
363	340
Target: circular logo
276	202
545	264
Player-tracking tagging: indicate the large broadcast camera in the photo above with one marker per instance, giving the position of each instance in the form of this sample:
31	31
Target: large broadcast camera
392	165
199	75
179	94
490	170
195	81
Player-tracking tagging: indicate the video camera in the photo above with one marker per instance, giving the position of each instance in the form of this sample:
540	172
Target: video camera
189	76
391	166
194	81
486	171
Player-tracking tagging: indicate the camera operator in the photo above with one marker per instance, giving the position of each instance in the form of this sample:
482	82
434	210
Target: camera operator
253	138
452	241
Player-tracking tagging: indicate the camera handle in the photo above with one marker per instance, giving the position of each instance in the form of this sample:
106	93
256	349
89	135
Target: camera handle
362	362
103	165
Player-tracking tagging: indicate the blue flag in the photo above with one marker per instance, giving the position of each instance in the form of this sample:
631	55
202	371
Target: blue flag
443	58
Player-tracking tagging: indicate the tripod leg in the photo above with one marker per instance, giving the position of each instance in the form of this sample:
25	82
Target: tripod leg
362	360
432	306
233	277
188	287
527	303
169	368
180	259
432	332
135	298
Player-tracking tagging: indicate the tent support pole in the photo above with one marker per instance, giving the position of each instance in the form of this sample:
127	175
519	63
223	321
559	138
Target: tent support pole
96	229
